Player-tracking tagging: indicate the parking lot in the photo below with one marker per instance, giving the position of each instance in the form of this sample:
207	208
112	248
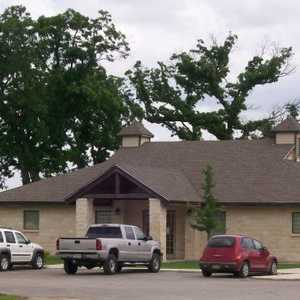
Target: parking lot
139	284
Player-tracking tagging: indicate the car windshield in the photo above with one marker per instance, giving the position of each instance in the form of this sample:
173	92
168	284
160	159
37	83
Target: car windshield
221	242
110	232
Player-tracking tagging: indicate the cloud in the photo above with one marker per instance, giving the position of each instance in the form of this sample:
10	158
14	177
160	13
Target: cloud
155	29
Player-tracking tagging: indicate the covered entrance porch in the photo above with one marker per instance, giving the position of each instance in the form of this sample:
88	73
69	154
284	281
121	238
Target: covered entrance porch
117	197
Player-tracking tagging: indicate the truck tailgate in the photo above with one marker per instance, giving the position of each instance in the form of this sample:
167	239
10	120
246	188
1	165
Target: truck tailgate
77	245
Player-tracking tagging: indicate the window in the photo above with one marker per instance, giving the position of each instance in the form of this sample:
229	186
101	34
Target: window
139	233
296	222
221	242
221	223
247	243
258	245
110	232
1	237
31	220
103	215
129	233
9	236
20	238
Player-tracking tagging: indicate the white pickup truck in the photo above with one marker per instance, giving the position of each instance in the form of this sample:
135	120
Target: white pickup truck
110	246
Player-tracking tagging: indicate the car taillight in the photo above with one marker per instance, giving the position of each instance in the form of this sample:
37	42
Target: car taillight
57	244
98	245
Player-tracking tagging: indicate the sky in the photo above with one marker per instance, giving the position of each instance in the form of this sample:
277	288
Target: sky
155	29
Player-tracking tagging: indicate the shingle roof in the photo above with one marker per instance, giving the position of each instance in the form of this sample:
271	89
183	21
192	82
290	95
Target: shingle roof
290	124
136	128
245	172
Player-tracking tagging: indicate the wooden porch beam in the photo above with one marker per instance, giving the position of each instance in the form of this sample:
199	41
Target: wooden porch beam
119	196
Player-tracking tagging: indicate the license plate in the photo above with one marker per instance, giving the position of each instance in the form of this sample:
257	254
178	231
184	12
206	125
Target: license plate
78	256
216	267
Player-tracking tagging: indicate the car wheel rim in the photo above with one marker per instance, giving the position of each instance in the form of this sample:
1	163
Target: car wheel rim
112	265
4	263
39	261
156	263
245	270
274	268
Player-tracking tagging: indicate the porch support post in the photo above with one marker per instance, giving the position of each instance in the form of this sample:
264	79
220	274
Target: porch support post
158	223
84	215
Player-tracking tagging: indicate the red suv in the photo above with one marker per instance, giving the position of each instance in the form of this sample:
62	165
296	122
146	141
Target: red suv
240	255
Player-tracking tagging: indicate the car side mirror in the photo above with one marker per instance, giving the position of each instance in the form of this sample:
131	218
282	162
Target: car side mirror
149	238
264	249
28	242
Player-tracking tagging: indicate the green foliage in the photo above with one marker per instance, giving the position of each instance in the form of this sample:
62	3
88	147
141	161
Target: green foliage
172	93
204	218
58	106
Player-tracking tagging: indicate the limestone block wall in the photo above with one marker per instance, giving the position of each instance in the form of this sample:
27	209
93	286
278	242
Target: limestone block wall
85	215
55	220
270	224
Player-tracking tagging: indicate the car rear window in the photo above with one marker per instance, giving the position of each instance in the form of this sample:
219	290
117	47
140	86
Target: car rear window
110	232
221	242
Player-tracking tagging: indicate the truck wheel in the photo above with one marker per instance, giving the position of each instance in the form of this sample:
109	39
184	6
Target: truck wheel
70	267
110	265
38	261
155	263
119	267
4	262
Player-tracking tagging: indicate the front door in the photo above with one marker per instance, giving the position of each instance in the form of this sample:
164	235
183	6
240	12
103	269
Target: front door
171	234
25	250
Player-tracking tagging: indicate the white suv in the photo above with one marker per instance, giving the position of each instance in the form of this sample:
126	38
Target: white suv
16	249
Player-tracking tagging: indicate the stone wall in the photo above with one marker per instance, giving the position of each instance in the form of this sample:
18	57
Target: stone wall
271	225
55	220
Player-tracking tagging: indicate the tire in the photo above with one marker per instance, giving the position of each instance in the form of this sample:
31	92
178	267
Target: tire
155	263
110	265
119	268
38	261
244	271
70	267
273	268
206	273
4	263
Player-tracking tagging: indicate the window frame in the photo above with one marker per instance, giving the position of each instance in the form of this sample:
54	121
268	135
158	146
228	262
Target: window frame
130	228
247	248
12	234
105	209
137	231
1	237
26	211
22	236
293	226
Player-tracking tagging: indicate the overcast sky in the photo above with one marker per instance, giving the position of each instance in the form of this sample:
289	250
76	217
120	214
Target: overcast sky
156	29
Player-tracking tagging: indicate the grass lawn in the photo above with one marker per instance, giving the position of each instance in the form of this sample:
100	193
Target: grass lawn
11	297
52	260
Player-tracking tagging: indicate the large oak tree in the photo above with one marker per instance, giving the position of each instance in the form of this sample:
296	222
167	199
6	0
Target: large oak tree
172	93
58	106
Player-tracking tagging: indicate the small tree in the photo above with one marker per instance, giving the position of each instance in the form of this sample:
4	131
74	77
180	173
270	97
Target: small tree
204	218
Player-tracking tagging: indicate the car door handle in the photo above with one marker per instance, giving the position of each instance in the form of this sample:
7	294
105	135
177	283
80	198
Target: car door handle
21	246
7	245
129	244
139	244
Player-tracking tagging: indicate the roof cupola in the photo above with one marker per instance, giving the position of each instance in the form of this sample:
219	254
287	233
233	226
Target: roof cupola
135	135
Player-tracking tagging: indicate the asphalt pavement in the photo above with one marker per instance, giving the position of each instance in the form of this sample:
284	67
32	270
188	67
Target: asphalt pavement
140	284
